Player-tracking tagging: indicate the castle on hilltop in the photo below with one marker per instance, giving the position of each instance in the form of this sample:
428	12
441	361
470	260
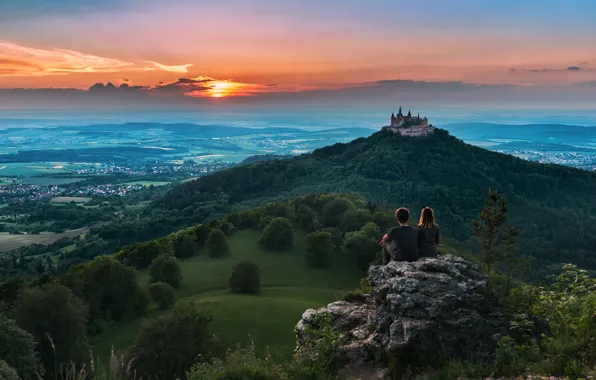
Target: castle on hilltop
410	125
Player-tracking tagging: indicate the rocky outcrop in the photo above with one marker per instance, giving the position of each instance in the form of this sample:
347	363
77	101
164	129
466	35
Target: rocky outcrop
432	308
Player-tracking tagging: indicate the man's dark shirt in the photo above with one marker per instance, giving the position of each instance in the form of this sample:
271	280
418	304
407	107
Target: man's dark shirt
406	239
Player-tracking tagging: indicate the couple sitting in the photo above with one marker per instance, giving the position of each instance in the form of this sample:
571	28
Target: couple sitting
406	243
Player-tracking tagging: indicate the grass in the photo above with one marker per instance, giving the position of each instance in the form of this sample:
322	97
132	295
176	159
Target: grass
288	288
8	242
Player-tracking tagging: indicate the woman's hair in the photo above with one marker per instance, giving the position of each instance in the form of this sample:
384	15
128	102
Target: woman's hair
427	217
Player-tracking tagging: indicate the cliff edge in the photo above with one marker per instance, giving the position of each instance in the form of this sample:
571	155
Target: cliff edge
434	308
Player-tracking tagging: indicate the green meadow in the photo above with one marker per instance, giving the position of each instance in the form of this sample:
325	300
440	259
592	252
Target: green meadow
288	288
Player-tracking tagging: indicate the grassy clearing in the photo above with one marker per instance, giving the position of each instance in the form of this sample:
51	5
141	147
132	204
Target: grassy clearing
8	242
70	199
288	288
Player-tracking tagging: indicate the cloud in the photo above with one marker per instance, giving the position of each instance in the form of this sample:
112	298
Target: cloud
19	60
551	70
171	68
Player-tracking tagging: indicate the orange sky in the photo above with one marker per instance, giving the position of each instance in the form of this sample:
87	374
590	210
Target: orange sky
296	45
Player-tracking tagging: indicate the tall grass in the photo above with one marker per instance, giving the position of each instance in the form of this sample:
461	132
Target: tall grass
117	368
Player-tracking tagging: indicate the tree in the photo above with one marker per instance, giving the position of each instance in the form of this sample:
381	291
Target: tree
184	246
319	245
497	239
355	219
167	347
362	247
57	320
109	288
9	289
217	243
7	372
163	294
279	234
245	278
334	210
336	236
17	349
166	268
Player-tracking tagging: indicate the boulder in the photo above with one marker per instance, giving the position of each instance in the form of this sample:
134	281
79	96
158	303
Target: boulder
435	308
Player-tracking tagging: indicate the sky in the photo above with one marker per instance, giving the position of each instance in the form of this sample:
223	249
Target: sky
183	52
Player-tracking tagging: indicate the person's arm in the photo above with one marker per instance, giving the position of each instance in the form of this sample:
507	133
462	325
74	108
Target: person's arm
420	238
437	236
383	240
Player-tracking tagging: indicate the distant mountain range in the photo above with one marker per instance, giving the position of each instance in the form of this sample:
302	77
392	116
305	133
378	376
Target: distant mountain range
553	206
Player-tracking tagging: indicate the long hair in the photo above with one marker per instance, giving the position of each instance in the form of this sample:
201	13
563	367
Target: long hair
427	217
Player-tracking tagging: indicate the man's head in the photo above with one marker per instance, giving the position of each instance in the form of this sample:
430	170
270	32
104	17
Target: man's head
403	215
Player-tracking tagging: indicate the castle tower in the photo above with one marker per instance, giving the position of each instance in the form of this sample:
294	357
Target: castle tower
399	113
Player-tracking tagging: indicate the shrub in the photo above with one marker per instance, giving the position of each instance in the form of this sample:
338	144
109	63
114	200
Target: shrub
166	269
239	365
163	294
167	347
245	278
17	349
217	243
554	330
279	234
318	247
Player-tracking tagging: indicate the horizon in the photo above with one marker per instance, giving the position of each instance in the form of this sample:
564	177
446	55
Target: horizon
265	54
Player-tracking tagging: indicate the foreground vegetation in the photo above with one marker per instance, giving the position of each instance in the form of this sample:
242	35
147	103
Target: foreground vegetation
234	321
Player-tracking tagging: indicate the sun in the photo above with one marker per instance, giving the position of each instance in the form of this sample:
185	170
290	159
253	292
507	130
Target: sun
220	89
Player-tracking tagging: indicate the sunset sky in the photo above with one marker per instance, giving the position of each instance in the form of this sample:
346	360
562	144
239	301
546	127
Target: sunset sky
223	48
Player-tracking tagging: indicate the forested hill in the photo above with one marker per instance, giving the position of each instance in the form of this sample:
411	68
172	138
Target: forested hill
553	206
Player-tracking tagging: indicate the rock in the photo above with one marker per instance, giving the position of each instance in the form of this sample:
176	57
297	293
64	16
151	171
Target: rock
434	307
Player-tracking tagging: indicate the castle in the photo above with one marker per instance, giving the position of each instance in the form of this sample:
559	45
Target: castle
410	125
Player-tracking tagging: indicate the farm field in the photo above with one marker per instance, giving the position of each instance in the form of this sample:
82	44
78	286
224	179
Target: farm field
148	183
288	288
70	199
8	241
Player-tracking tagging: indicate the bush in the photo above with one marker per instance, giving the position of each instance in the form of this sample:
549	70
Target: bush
318	247
239	365
279	234
245	278
17	349
167	347
554	327
166	269
217	243
163	294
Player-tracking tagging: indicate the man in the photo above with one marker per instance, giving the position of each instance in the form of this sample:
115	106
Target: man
401	242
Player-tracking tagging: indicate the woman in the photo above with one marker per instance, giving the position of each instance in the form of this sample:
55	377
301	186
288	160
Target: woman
428	234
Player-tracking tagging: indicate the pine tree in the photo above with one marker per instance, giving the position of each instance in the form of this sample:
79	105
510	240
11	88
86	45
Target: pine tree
496	238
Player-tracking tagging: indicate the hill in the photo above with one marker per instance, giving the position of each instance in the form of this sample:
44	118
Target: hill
552	206
288	287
